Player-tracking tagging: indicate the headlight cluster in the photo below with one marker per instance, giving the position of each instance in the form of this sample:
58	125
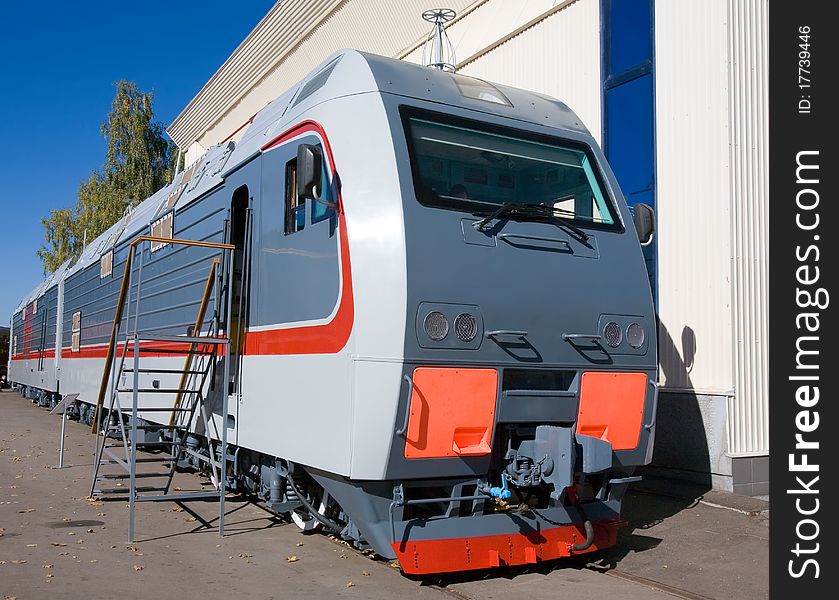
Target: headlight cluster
436	326
613	334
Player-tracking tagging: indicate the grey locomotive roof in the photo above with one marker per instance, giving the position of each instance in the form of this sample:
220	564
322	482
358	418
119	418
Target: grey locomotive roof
42	287
344	73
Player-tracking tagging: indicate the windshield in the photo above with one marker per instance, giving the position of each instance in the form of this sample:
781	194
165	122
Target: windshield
462	165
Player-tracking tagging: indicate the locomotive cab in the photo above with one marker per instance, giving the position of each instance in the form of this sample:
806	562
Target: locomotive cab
503	343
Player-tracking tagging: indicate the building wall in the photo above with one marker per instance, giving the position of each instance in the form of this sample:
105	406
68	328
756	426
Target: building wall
544	46
749	151
314	34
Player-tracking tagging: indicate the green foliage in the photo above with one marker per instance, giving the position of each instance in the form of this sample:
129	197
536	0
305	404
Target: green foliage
138	162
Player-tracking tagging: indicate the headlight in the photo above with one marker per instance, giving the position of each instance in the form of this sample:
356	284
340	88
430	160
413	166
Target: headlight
635	335
436	325
612	334
466	327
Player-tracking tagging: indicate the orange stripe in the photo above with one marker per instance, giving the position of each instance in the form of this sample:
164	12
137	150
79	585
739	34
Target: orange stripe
490	551
330	337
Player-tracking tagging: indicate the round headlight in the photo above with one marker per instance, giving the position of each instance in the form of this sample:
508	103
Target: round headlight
612	334
635	335
436	325
466	327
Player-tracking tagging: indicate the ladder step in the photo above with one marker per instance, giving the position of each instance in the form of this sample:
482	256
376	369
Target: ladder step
180	338
161	370
150	459
104	476
144	444
127	411
139	428
208	352
159	391
126	489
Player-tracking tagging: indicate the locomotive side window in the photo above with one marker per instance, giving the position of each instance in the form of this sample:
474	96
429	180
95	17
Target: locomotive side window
295	210
323	207
106	264
162	228
75	338
478	167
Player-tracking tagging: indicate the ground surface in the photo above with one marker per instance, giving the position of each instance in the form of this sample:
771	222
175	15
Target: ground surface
56	544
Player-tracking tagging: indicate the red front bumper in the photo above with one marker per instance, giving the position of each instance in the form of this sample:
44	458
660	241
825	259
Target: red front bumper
484	552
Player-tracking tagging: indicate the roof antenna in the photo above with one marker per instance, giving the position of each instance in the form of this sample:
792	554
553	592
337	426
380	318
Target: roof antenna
439	49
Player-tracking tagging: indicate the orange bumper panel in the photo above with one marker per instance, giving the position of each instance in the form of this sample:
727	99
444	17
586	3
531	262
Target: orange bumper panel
485	552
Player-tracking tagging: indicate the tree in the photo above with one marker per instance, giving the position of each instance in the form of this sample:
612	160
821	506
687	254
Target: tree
138	162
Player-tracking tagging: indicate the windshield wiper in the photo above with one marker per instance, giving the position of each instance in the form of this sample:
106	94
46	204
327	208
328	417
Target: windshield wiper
525	209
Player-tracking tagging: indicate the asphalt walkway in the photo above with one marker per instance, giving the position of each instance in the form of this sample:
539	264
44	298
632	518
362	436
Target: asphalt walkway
55	543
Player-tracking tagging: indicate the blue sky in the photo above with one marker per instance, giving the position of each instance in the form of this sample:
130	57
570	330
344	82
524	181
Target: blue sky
59	62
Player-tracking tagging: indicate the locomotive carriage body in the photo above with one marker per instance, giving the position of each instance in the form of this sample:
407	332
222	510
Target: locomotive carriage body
442	319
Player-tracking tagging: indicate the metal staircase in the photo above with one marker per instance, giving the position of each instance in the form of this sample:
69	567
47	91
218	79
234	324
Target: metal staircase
146	431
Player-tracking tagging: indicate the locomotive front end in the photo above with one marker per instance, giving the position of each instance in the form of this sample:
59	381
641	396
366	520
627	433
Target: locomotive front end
529	384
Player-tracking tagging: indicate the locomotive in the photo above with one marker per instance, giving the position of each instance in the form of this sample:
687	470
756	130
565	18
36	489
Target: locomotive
445	340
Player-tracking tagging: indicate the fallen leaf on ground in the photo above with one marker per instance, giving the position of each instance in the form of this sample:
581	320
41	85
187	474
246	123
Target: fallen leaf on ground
395	564
18	562
46	566
31	545
245	555
292	558
298	544
366	573
350	584
90	531
50	575
59	544
189	519
27	510
94	561
138	567
71	533
131	547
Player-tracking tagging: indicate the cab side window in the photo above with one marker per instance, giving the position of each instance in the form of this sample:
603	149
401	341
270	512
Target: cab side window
295	207
295	210
324	208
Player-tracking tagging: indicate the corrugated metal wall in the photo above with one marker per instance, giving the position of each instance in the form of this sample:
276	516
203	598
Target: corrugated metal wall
749	125
694	196
361	24
558	56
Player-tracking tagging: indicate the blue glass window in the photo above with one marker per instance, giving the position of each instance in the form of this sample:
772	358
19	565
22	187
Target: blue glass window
629	134
628	41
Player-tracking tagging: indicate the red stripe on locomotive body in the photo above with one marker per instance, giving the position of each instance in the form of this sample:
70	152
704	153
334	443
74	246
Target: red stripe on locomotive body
327	338
101	351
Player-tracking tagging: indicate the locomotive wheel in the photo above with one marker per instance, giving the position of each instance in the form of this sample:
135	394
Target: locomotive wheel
303	518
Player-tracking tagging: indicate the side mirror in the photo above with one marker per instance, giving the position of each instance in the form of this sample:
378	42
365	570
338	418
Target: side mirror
309	171
643	216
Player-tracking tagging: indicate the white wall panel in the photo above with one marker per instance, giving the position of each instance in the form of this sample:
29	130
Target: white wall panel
749	123
694	196
558	56
295	37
